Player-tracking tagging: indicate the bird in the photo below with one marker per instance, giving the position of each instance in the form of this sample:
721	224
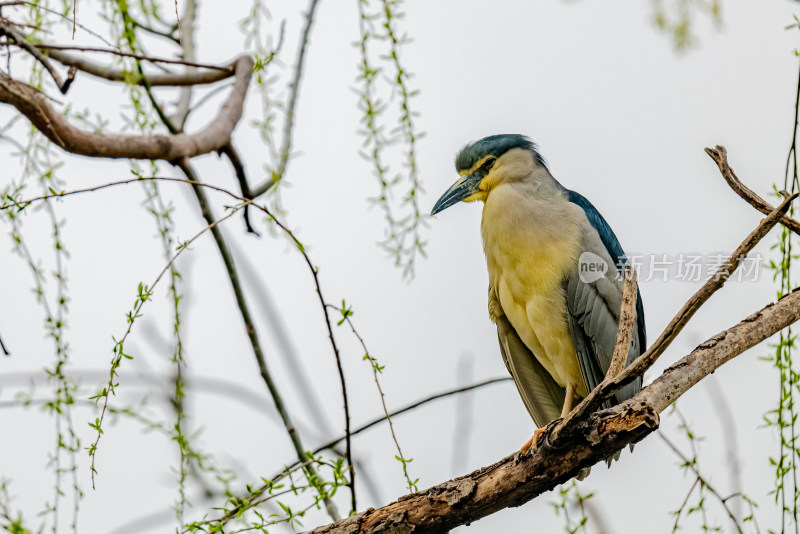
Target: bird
555	276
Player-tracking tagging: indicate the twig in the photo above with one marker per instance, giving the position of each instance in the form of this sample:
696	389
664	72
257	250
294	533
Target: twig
154	31
378	420
646	360
10	202
253	277
703	481
421	402
252	334
254	497
238	167
22	42
720	157
118	355
348	447
180	35
57	13
3	347
227	258
115	75
186	39
294	89
373	365
315	274
784	349
142	57
680	510
156	106
684	425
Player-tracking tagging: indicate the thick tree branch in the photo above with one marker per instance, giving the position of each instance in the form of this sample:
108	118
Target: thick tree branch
516	480
55	127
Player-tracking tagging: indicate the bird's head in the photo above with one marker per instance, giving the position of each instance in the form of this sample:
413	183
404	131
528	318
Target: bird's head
484	164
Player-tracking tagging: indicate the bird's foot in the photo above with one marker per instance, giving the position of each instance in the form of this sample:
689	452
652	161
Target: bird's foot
532	444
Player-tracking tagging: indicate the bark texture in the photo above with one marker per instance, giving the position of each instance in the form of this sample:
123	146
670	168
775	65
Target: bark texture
517	479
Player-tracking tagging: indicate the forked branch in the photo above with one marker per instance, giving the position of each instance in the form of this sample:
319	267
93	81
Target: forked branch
609	386
515	480
586	437
34	105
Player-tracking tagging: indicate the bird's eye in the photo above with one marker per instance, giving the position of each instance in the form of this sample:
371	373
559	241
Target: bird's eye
487	164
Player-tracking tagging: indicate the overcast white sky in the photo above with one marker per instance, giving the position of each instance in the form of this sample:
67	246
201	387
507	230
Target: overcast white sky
620	117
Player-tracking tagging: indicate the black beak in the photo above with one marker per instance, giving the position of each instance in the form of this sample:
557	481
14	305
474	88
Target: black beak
464	187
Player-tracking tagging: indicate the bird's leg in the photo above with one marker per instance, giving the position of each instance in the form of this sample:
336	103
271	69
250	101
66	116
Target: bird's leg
568	401
534	441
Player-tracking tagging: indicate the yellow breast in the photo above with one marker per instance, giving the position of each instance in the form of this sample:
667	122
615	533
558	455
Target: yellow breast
531	246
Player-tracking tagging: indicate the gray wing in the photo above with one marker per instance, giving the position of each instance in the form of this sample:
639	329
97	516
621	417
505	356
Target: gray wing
593	303
542	396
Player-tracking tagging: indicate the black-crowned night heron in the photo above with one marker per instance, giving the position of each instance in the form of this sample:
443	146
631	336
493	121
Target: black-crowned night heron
555	275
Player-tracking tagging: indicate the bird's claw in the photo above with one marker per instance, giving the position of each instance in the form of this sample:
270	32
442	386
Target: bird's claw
532	444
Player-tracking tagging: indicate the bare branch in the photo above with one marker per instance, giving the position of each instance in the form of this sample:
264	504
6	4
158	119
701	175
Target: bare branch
247	319
152	59
40	7
703	481
627	318
21	41
516	480
649	357
241	176
187	43
55	127
111	387
383	418
720	157
294	88
410	407
180	34
375	370
114	75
